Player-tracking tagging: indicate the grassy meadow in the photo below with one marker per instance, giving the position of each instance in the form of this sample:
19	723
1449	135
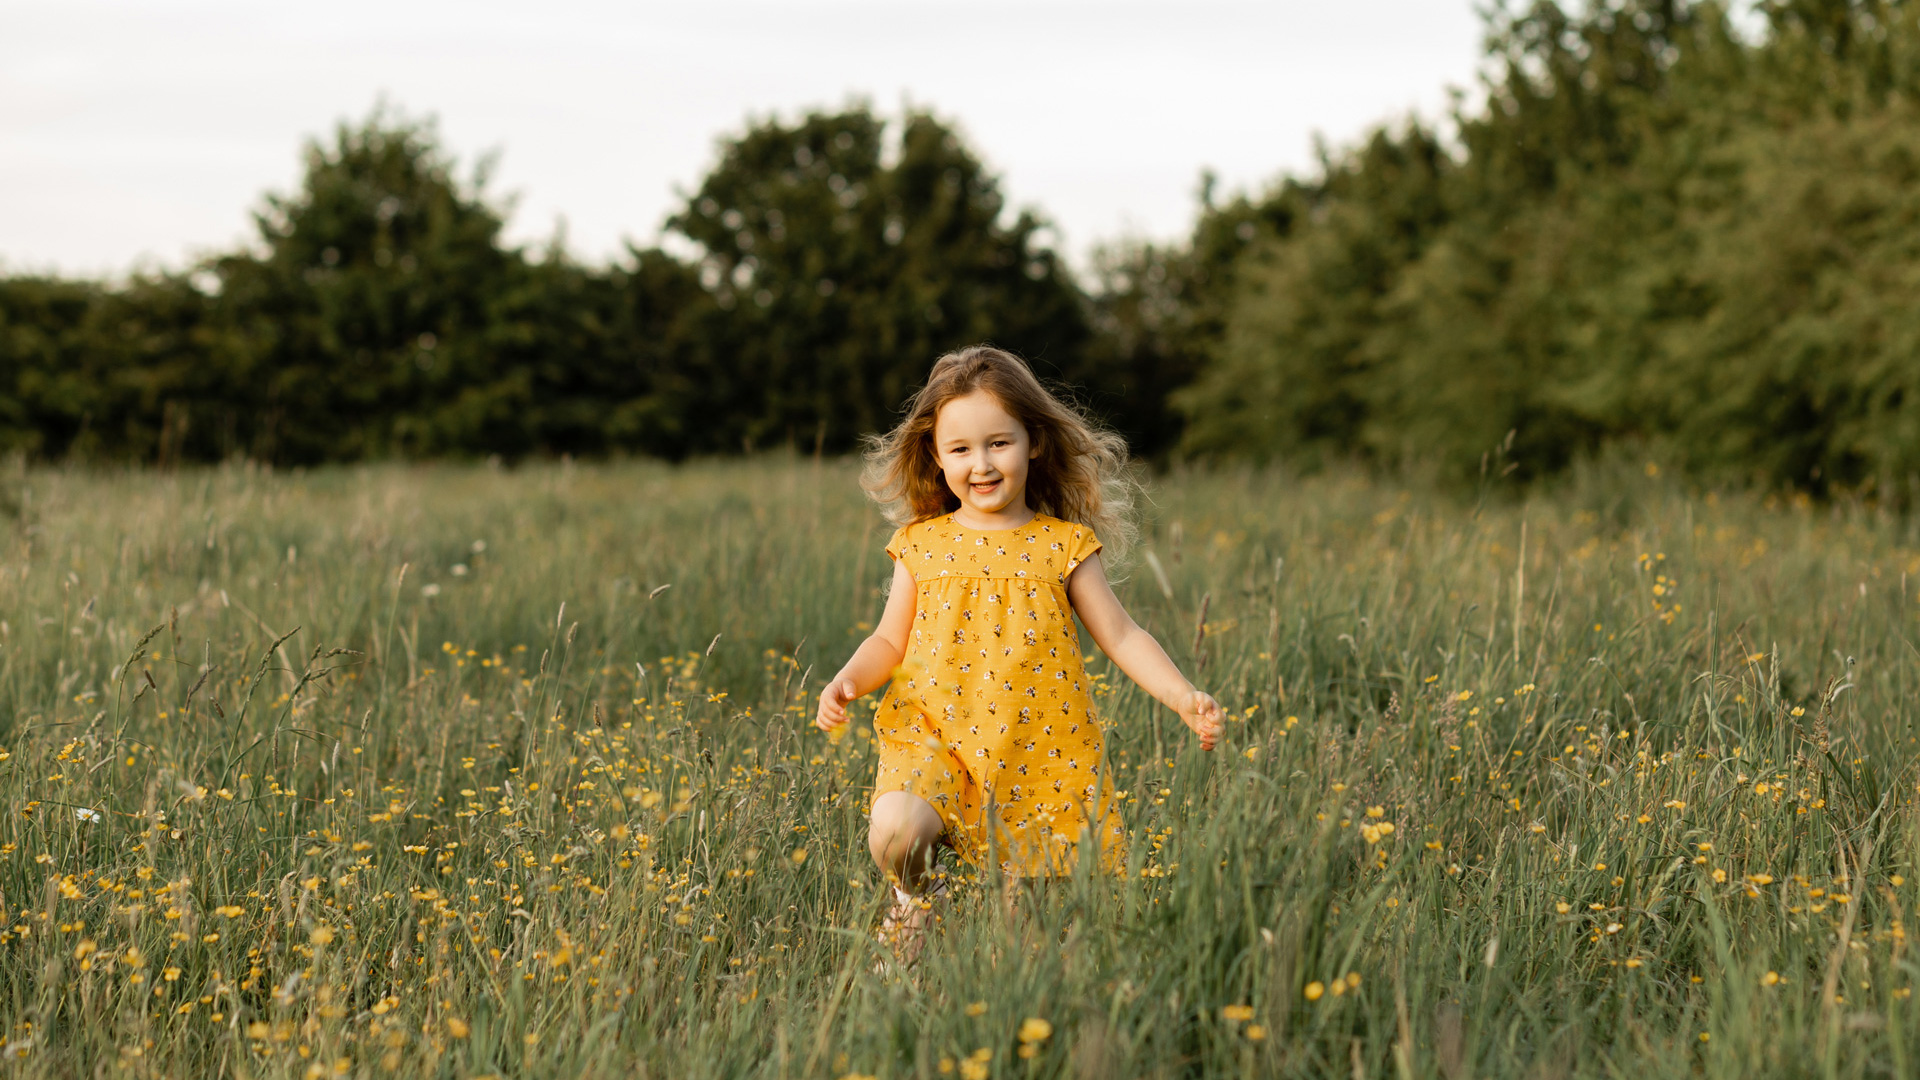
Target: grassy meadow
461	772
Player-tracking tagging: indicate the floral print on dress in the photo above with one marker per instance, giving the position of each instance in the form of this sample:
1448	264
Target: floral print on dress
989	718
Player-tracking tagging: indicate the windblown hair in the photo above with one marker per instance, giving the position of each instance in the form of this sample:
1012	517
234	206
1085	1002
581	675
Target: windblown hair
1080	474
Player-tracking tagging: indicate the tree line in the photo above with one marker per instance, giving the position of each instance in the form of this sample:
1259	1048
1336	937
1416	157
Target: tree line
1657	228
1658	231
380	314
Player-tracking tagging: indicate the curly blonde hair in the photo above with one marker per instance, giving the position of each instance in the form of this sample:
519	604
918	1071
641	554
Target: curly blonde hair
1080	473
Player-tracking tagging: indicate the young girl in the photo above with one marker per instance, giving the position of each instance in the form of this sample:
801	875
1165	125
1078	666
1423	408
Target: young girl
988	740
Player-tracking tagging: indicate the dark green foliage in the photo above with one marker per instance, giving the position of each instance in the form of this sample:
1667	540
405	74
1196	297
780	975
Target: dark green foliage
377	311
1147	342
1316	278
1157	312
386	318
610	363
381	314
841	266
96	373
1653	231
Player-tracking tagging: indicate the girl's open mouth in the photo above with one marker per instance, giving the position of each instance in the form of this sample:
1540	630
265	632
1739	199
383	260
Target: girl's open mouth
986	488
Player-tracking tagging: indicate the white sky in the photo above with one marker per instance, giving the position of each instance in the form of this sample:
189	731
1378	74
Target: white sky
142	132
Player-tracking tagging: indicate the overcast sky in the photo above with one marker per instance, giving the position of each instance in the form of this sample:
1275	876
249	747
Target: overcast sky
142	132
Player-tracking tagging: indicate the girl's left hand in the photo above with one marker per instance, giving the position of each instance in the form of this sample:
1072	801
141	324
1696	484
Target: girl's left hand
1202	714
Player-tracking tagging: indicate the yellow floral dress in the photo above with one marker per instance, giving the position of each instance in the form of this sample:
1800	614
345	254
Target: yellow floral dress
989	717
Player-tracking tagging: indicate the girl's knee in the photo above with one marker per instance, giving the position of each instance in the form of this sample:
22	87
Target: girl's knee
902	821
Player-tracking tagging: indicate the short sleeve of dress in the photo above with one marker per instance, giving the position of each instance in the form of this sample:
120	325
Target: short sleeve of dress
1080	545
898	546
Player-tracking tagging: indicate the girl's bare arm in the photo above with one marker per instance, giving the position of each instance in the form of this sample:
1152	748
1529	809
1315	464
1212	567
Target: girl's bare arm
873	662
1137	653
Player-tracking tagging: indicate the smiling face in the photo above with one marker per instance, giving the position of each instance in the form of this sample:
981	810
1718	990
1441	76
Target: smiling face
983	453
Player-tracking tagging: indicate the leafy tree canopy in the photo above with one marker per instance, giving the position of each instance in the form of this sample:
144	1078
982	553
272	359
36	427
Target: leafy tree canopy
1656	230
375	304
843	254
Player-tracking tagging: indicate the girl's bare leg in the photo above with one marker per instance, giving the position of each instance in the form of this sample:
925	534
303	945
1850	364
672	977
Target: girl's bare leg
903	834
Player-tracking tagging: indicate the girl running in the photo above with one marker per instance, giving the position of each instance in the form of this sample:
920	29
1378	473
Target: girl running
987	735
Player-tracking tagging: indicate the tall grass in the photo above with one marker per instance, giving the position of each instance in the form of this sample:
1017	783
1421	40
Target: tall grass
458	772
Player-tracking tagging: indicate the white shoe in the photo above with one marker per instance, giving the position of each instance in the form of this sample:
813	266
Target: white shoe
904	928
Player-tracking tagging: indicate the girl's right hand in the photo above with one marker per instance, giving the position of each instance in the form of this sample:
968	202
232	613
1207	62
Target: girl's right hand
1203	715
833	704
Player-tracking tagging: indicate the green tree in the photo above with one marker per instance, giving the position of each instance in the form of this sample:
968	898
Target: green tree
1653	230
842	255
95	372
1290	370
1145	308
45	403
604	360
373	305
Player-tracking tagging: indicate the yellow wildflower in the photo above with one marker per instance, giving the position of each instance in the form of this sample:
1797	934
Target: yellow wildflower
1033	1030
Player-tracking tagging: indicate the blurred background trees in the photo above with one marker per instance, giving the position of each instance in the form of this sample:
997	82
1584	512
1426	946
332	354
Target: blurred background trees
1656	228
1656	231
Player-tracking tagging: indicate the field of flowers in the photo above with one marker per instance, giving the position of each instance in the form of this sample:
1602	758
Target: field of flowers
467	772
